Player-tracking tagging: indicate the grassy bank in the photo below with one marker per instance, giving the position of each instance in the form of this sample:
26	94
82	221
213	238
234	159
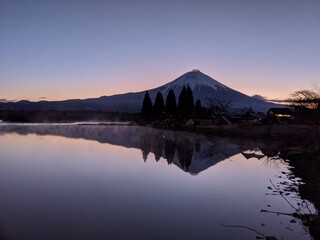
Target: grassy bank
293	135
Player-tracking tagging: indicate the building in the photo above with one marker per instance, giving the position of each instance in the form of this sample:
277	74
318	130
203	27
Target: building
279	115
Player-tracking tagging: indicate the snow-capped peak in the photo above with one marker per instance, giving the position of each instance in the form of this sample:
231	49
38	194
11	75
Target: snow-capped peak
193	79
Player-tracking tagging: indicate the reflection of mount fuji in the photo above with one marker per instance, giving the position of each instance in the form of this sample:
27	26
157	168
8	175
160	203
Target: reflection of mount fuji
191	152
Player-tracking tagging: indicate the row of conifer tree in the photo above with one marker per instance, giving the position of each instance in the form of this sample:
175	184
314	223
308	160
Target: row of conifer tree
185	108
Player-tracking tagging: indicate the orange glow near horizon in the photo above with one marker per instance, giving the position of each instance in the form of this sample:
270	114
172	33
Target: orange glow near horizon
248	85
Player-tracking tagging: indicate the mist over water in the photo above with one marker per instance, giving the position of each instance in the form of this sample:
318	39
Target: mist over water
127	182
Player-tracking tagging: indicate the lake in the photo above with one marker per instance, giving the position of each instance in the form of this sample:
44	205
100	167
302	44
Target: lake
129	182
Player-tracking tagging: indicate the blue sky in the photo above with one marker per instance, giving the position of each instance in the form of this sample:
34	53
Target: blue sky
78	49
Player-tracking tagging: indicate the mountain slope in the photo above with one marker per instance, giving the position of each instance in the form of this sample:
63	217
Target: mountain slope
203	86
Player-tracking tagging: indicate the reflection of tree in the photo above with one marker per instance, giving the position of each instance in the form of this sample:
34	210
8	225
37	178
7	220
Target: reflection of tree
185	152
273	162
145	144
197	146
217	151
157	146
211	150
169	149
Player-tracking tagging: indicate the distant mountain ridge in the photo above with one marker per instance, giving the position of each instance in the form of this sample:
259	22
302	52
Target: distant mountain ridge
203	87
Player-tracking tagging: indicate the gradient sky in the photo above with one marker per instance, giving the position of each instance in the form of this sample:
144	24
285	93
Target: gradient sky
78	49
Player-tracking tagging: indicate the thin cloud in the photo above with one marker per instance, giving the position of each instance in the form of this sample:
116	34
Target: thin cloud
259	97
283	102
279	100
5	100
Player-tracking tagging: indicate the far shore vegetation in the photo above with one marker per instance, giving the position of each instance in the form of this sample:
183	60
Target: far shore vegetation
304	108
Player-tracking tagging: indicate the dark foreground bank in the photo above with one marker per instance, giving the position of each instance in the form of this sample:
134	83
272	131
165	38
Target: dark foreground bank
307	167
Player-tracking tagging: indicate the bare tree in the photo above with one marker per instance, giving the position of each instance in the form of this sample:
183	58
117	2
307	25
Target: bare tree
316	86
307	98
218	108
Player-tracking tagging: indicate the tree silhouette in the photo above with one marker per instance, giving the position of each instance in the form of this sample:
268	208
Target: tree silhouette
146	109
189	102
182	103
198	108
171	104
305	99
158	107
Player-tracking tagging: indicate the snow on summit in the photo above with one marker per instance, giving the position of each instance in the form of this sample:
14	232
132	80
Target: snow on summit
194	79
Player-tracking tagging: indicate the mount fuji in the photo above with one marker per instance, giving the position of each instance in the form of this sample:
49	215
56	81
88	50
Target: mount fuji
203	87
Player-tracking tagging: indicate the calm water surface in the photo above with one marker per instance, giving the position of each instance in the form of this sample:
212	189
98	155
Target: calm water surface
109	182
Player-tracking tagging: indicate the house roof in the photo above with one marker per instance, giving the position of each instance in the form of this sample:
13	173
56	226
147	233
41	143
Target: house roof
285	111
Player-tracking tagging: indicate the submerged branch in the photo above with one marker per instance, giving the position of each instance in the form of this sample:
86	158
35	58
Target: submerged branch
307	206
281	194
281	213
240	226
